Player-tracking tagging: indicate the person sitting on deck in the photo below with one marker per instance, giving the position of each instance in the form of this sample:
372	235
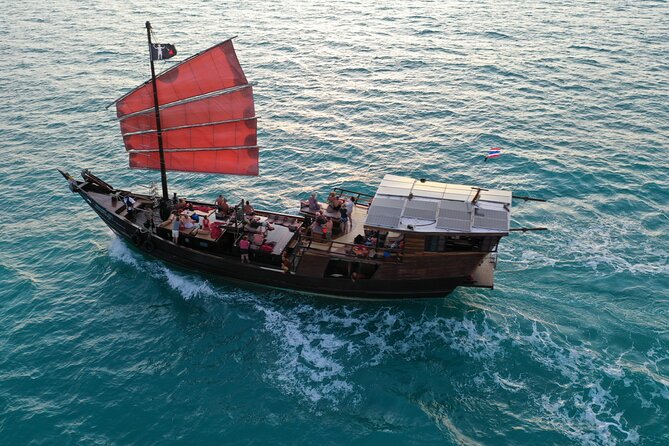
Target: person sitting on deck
181	205
359	239
248	209
333	201
196	220
313	203
222	205
266	246
399	243
205	224
186	222
267	225
327	229
320	218
255	223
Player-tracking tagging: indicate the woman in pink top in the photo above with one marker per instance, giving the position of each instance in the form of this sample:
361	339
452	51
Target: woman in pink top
244	245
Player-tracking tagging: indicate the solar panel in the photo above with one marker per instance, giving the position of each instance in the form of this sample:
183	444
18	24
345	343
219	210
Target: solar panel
454	215
454	224
425	210
491	219
449	206
385	212
388	202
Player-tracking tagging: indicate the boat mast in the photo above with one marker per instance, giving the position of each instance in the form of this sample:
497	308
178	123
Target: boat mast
163	175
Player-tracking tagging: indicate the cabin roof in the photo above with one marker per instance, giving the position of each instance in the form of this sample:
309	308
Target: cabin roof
405	204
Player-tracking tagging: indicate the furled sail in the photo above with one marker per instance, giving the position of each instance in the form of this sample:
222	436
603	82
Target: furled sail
207	117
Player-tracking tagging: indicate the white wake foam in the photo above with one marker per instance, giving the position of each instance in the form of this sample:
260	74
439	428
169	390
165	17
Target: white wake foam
318	350
187	287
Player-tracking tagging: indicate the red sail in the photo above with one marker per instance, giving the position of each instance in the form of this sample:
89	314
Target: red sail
225	106
234	162
214	69
226	134
207	117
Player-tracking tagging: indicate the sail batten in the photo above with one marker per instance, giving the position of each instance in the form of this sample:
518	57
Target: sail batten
231	134
143	132
187	100
207	117
194	149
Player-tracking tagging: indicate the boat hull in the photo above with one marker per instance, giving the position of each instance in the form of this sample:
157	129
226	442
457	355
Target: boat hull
231	267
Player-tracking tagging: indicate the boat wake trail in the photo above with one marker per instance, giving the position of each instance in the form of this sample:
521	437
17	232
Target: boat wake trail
186	287
330	356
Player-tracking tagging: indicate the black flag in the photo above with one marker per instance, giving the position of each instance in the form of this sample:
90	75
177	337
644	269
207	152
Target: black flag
162	51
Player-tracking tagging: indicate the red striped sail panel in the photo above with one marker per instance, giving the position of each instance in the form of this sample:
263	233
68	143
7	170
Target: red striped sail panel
207	117
226	134
225	106
211	70
224	161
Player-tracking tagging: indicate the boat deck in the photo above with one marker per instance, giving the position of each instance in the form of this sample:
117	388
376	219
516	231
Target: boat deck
358	227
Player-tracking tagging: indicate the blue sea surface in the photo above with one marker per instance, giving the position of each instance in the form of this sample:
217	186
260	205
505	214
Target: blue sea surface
101	344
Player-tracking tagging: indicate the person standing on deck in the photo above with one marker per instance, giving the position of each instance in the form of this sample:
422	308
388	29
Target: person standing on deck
175	228
244	246
129	206
285	262
350	205
343	212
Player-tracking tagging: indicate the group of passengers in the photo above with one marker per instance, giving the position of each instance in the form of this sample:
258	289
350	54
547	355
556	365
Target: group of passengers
224	208
335	204
181	221
367	245
322	225
257	242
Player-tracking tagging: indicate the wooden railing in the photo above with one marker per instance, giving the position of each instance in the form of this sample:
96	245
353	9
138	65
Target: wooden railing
360	198
362	252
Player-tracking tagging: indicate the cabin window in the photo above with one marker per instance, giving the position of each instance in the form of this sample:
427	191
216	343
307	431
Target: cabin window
342	269
456	243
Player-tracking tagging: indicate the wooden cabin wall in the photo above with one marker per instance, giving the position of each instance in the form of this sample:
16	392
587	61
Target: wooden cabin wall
415	264
418	264
414	243
431	265
312	264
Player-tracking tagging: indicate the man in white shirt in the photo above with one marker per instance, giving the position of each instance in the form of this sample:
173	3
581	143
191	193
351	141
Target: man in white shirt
350	205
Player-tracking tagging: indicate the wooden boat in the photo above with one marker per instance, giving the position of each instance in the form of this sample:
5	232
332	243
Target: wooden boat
412	238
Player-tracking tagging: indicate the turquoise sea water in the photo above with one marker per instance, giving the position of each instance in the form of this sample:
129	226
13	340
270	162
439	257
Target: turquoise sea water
102	345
